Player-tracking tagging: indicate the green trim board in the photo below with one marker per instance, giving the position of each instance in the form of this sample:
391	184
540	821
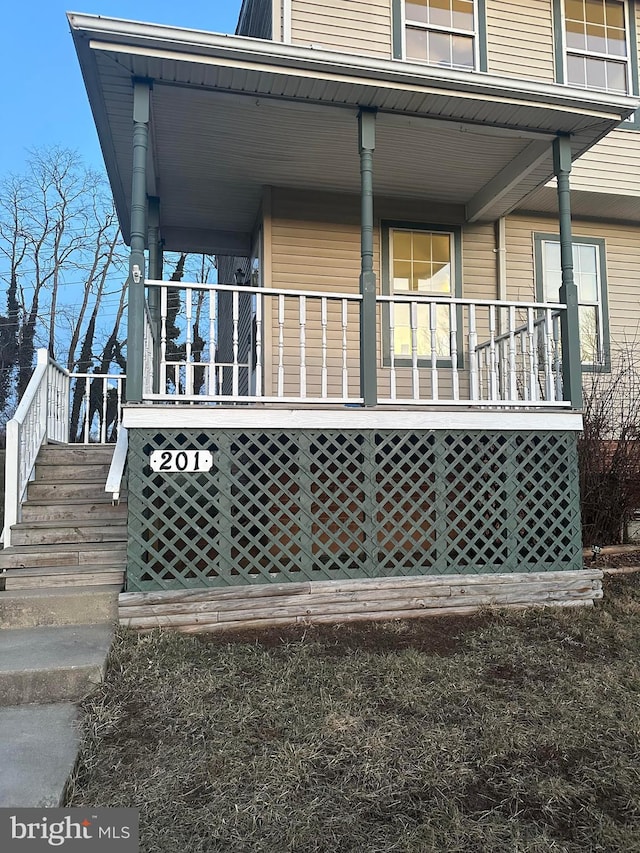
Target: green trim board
538	239
397	26
286	505
386	226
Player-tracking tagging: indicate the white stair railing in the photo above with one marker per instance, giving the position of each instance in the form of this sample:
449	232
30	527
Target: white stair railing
43	415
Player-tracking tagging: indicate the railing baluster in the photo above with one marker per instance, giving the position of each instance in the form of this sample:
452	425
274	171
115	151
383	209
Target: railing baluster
433	326
493	373
163	337
533	353
103	424
188	371
473	355
236	368
557	357
392	350
258	388
345	368
548	355
213	343
453	350
302	317
87	409
323	371
280	345
513	385
415	373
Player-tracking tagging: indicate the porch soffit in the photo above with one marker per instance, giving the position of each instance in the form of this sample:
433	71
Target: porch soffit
223	128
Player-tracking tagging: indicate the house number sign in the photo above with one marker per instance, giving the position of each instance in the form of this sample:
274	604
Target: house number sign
187	461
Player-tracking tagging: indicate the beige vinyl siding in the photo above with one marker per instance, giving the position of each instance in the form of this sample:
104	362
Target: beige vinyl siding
315	245
349	26
520	39
622	264
613	165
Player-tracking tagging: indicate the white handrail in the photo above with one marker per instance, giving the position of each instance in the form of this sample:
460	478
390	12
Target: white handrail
118	462
26	432
43	415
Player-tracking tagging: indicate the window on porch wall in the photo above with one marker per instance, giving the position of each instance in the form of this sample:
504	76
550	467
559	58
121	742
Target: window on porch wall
589	273
441	32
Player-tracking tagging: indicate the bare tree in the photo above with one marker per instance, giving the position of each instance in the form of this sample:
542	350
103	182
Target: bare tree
59	247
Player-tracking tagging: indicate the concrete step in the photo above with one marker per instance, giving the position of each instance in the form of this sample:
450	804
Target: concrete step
63	576
85	472
31	608
52	664
71	510
73	491
86	554
58	533
75	454
38	751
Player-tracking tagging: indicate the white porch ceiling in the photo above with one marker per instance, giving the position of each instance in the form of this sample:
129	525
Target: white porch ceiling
231	115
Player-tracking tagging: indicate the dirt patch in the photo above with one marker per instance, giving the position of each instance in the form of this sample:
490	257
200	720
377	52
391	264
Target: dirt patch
439	636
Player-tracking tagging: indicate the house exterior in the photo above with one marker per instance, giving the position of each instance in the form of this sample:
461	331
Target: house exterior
426	220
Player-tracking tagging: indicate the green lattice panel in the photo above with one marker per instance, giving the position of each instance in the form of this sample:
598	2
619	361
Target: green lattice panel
308	504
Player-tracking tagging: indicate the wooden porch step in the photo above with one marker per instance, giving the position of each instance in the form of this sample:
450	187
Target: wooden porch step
68	510
72	491
81	554
56	577
57	533
85	472
75	454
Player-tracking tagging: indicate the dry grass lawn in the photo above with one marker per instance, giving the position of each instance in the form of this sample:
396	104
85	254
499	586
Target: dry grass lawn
505	733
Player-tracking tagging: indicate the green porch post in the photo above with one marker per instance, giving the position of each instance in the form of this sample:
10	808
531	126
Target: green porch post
569	321
155	264
135	321
368	351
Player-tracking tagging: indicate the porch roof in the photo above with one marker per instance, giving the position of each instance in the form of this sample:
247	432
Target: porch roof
232	114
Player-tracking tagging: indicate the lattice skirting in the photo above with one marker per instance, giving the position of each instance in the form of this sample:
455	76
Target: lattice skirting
296	505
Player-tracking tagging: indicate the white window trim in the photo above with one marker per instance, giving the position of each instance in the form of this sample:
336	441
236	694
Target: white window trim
626	60
436	28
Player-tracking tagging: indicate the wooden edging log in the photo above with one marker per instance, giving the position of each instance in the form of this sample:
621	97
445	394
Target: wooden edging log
345	601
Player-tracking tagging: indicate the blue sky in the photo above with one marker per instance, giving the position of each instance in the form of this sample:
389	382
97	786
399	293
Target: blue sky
42	97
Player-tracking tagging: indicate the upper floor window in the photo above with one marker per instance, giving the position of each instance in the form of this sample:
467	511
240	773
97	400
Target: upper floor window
597	45
441	32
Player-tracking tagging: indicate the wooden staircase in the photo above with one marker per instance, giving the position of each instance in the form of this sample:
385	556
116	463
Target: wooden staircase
70	534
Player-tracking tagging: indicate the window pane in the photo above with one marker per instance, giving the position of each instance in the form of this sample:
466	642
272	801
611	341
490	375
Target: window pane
441	279
616	44
596	73
585	258
596	39
616	77
421	247
462	52
440	49
440	13
574	10
401	275
416	44
441	247
416	10
552	256
421	277
615	14
576	35
587	285
463	14
402	331
402	245
576	70
552	282
594	11
589	349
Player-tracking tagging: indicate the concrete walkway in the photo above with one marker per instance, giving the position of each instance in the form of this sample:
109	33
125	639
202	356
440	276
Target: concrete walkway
55	666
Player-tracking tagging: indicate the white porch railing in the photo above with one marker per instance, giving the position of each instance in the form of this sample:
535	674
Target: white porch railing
59	407
239	344
234	343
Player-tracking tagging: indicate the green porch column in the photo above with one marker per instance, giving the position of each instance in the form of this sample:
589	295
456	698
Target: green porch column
155	272
569	321
135	322
368	352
